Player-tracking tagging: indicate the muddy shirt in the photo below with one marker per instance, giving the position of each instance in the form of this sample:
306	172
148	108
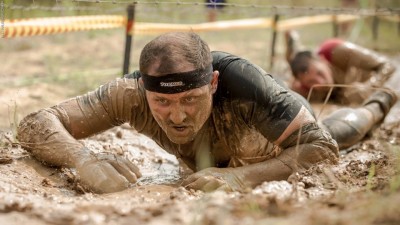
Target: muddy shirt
250	112
352	64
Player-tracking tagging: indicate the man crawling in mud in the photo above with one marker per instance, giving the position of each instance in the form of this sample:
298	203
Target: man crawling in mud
355	70
226	118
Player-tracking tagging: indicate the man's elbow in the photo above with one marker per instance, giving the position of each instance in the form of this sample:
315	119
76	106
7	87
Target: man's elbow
33	127
326	151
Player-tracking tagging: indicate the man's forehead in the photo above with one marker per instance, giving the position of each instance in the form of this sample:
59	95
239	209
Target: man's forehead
191	92
178	67
154	67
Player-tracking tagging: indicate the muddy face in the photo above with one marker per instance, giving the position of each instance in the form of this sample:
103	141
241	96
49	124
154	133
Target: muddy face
318	73
181	115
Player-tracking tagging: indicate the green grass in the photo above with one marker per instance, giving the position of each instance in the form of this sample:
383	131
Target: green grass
394	184
13	118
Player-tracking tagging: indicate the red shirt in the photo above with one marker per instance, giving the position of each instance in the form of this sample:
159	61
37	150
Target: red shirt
327	47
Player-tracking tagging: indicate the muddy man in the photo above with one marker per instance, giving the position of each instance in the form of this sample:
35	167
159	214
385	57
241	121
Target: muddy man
225	117
336	62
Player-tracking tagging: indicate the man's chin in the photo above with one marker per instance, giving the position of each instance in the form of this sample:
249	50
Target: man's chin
180	140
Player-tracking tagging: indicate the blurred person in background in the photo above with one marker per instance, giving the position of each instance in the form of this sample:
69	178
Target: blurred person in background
213	8
336	61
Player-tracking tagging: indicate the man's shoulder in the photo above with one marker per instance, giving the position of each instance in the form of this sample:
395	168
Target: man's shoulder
121	86
328	46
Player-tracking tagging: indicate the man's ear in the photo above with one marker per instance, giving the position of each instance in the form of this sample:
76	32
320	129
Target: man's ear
214	81
140	81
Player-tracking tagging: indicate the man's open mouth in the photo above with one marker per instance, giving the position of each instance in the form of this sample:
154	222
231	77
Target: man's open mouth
179	128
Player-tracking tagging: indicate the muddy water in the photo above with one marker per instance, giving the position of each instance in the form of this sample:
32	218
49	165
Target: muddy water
156	165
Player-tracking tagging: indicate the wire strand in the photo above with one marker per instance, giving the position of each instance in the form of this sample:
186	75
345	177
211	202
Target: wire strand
267	9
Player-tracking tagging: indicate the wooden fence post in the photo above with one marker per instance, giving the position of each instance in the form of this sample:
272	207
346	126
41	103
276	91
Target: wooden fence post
335	25
273	42
128	38
375	28
398	26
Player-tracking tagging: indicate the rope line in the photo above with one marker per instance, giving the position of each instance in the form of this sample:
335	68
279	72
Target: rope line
45	26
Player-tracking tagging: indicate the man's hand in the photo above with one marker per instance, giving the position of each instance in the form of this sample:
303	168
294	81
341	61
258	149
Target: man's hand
210	179
105	173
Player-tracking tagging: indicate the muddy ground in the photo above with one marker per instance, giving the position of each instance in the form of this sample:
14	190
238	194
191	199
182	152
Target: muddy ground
364	188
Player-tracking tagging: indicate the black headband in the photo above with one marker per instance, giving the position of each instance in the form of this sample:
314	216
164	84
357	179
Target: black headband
178	82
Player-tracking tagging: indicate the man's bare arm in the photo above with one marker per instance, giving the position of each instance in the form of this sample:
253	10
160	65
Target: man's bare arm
349	55
51	135
45	137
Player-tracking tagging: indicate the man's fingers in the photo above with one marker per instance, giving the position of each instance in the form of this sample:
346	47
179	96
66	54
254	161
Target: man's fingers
198	184
190	179
124	170
133	168
128	164
103	178
212	185
225	187
112	173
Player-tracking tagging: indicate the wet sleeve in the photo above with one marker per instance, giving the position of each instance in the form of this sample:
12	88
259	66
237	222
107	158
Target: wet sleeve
271	109
110	105
309	145
51	134
263	103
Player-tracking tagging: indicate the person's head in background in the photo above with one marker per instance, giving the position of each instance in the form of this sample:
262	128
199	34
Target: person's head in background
310	69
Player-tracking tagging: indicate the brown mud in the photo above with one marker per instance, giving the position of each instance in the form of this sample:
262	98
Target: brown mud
31	192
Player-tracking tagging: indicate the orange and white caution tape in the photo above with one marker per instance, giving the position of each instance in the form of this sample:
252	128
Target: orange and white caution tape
44	26
149	28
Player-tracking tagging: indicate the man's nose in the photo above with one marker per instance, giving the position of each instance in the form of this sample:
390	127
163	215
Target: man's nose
178	114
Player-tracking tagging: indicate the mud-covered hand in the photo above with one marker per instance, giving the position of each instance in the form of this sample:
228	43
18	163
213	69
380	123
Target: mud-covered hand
105	173
210	179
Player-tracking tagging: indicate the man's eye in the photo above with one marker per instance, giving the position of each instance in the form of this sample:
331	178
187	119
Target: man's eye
162	101
190	99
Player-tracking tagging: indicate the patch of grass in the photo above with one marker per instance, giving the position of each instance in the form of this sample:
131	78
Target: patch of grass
82	81
13	118
23	46
370	177
52	64
394	183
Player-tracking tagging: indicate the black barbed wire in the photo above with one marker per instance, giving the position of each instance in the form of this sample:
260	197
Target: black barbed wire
233	7
54	8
